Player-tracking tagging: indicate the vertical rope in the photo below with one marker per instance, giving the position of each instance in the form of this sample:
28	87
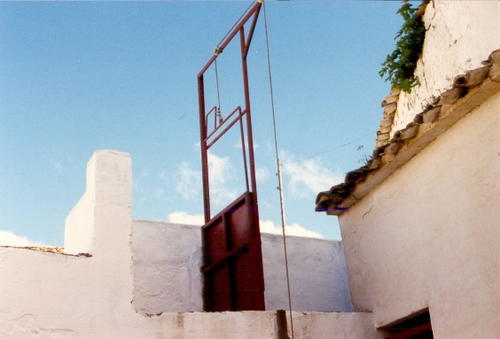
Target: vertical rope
219	116
278	165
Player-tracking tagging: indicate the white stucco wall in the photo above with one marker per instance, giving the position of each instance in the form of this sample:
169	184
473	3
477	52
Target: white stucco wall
132	271
53	295
59	295
78	236
318	325
318	276
460	35
167	278
428	235
166	266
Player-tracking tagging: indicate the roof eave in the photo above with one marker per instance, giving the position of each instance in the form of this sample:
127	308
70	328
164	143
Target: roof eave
468	92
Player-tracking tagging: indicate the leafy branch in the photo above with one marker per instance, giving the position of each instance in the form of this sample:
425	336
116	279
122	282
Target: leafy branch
399	67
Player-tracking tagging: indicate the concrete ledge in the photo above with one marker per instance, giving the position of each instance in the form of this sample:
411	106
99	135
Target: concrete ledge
353	325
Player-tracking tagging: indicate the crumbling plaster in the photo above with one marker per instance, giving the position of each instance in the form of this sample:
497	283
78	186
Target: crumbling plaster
459	36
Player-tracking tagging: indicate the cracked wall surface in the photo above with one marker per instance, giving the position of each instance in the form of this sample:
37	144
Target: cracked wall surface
459	36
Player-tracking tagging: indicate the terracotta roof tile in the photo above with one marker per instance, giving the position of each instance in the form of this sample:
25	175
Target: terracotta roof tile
468	91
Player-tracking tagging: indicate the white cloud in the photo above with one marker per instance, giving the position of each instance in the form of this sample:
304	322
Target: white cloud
221	171
267	226
189	184
185	218
223	186
10	239
307	177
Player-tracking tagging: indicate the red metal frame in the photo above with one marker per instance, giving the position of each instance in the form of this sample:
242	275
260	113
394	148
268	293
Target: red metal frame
232	254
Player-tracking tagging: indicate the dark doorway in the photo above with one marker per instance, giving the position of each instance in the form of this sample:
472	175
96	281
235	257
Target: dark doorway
417	326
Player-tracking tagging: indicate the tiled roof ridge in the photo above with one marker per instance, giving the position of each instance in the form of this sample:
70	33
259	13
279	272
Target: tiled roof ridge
390	102
468	91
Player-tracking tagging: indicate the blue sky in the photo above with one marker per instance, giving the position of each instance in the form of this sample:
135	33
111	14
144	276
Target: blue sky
81	76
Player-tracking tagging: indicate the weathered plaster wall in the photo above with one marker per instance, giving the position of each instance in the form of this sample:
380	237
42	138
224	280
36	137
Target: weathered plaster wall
54	295
317	325
166	267
51	294
318	277
460	35
428	235
167	278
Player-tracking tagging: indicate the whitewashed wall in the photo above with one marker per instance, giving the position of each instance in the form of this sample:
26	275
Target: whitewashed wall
167	278
318	276
166	267
460	35
59	295
101	294
325	325
429	235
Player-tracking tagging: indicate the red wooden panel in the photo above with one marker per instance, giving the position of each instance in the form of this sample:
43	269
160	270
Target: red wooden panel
233	273
215	241
239	228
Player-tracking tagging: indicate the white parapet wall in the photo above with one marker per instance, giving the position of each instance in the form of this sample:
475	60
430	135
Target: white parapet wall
459	36
317	272
166	267
167	278
64	295
131	279
352	325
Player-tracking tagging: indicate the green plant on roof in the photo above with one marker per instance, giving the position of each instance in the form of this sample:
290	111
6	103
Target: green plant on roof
399	67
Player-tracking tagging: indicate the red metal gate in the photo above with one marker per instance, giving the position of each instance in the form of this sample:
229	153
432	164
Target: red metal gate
232	269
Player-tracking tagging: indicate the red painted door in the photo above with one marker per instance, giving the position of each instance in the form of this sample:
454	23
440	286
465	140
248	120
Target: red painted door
232	271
